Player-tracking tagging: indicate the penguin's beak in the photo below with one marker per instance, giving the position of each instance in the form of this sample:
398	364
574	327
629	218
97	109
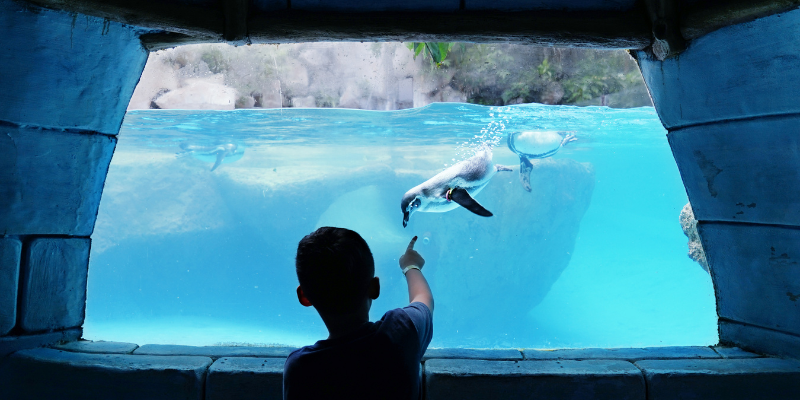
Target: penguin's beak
406	214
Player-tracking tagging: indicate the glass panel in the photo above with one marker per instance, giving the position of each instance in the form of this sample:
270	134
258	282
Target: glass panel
202	211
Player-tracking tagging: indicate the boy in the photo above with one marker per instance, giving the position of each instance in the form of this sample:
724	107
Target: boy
360	359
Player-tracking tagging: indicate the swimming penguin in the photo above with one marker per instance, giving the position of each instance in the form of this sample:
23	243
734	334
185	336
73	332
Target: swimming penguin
535	144
452	187
220	150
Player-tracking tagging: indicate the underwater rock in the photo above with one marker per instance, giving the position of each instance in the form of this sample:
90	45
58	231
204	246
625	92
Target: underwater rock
520	252
155	194
689	226
264	204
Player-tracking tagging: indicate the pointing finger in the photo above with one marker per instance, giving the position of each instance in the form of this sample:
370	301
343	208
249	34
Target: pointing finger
411	245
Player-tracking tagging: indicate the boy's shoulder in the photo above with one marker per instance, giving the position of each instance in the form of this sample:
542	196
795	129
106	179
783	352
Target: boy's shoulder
394	324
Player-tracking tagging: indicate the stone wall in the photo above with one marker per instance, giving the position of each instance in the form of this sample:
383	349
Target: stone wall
84	370
66	82
729	103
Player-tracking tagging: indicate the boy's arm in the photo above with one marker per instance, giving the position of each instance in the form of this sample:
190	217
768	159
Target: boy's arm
418	289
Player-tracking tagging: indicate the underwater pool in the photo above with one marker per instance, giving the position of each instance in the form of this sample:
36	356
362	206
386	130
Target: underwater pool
592	256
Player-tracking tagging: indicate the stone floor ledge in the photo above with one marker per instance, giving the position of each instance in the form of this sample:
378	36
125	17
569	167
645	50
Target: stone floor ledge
473	354
550	379
97	347
730	379
214	352
628	354
55	374
245	378
10	344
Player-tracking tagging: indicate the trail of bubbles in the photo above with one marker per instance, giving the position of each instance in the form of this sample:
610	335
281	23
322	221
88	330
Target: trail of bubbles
490	135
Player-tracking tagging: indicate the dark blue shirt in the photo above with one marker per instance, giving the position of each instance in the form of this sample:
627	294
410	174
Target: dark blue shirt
380	360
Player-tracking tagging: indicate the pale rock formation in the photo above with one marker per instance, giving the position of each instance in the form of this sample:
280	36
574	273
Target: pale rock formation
207	93
689	225
304	102
158	77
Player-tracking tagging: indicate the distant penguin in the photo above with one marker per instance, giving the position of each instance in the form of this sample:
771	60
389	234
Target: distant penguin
452	187
220	150
535	144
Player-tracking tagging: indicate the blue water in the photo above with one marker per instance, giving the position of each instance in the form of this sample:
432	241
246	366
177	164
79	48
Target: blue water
593	256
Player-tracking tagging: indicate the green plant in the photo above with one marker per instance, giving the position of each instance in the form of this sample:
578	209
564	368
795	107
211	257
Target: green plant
437	51
215	59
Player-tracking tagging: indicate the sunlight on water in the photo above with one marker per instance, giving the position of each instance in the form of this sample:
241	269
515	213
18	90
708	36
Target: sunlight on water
593	256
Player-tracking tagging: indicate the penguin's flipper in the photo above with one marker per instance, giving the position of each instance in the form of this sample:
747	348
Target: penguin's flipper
462	197
525	168
220	157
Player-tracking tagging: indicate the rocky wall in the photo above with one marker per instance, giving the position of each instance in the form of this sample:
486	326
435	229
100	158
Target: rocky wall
729	102
66	81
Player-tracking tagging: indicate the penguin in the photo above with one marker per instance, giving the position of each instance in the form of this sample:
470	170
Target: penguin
221	151
452	187
535	144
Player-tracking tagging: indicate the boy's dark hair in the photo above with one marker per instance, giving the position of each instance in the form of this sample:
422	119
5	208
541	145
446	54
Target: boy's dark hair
334	267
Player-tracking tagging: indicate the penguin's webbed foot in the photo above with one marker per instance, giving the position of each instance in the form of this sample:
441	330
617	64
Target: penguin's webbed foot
525	168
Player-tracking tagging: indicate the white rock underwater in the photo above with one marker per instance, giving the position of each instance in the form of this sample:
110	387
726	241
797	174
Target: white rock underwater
452	187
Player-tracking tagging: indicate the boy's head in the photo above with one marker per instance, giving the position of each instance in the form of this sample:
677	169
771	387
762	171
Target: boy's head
334	267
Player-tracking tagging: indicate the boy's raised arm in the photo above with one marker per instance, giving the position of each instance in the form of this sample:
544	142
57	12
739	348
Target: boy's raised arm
418	289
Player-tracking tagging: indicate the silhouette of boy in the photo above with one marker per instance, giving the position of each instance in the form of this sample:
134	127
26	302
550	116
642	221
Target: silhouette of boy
359	359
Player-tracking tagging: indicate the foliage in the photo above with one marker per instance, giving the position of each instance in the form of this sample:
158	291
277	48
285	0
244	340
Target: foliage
436	51
598	76
504	74
215	59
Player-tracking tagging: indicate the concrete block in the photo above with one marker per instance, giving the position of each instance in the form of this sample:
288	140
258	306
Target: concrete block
759	339
245	378
479	379
740	71
97	347
734	352
214	352
756	273
380	5
10	253
560	5
53	284
630	354
742	171
474	354
56	374
10	344
51	181
63	70
757	378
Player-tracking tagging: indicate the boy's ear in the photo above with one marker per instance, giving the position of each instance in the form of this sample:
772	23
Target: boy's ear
374	288
302	297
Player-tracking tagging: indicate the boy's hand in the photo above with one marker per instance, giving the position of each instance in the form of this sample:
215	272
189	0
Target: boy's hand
411	257
418	289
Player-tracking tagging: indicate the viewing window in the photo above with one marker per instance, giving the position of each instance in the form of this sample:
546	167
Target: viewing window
228	156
